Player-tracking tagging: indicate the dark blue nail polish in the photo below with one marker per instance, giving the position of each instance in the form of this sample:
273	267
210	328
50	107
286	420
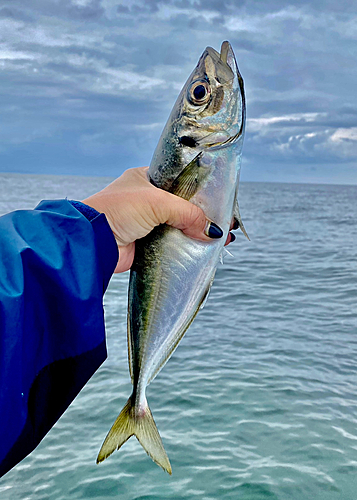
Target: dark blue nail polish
236	224
214	231
233	237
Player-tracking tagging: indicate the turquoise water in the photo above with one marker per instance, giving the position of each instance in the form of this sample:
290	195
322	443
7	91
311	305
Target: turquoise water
259	401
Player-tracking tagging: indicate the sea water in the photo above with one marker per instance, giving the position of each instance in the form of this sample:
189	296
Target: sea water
259	401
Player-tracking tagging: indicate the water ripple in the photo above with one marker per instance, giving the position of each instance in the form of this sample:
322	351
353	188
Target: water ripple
260	399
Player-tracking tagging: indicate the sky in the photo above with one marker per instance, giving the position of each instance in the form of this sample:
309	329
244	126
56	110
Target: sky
86	86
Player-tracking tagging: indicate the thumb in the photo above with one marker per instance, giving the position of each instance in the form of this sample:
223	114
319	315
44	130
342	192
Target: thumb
191	219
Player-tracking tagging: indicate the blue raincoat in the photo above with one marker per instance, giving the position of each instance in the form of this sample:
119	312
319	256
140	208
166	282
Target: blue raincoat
55	265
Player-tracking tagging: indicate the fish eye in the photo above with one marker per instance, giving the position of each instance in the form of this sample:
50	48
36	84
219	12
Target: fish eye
199	92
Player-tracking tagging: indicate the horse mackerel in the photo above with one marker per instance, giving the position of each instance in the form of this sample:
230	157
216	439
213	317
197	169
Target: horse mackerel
198	158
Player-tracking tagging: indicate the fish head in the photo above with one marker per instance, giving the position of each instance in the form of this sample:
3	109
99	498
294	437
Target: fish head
211	106
209	113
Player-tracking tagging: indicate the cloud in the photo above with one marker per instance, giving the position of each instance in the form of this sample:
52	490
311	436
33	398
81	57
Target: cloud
86	9
13	55
301	138
260	124
343	142
91	82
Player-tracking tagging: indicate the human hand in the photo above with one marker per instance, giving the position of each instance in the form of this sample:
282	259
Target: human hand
133	207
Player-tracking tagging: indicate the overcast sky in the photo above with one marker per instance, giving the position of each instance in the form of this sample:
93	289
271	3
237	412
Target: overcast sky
86	86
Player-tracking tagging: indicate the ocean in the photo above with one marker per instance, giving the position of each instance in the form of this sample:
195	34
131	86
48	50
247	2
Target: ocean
259	401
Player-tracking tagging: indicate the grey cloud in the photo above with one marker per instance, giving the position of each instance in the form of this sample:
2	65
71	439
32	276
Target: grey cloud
313	137
94	81
123	9
7	12
91	11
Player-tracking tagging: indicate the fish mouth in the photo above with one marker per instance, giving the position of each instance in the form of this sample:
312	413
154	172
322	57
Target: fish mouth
224	59
227	57
224	51
228	142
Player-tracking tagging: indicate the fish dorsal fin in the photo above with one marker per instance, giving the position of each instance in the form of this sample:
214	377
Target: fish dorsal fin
130	355
236	215
189	180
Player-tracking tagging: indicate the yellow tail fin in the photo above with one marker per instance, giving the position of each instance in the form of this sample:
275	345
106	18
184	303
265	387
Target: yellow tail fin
130	423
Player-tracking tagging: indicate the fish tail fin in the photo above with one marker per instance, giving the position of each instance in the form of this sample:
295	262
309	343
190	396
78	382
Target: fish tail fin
140	424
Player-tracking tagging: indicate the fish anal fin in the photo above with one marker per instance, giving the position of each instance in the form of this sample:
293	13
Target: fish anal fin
183	329
205	296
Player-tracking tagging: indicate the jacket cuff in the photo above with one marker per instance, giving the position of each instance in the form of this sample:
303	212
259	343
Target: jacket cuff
89	213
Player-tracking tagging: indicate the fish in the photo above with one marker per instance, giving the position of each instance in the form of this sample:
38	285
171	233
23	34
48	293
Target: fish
198	158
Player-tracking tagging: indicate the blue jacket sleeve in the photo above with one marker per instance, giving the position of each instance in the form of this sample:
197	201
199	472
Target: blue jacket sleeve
55	265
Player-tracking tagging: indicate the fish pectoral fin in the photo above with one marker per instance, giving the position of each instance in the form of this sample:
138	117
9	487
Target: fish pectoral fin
237	217
142	425
189	180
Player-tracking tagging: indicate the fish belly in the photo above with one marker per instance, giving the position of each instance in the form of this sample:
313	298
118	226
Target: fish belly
167	286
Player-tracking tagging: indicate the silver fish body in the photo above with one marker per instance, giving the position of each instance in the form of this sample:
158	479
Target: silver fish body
198	158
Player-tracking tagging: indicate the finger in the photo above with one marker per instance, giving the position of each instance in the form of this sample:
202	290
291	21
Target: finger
234	224
126	257
190	219
230	238
179	213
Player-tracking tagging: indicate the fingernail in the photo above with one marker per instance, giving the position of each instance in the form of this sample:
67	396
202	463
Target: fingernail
213	231
233	237
236	224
